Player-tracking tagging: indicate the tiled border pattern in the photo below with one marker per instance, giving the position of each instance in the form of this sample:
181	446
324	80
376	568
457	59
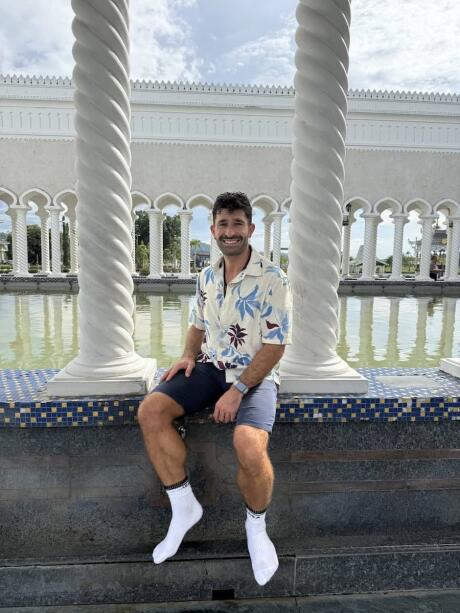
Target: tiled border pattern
24	405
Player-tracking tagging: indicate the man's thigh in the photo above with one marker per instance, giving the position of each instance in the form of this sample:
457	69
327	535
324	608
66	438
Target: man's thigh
258	407
195	393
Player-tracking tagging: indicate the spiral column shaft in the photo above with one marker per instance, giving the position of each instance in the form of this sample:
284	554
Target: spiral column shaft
44	240
185	221
427	236
20	242
55	212
14	241
155	242
448	251
133	245
107	362
73	236
455	248
277	221
396	268
346	250
267	236
370	243
311	363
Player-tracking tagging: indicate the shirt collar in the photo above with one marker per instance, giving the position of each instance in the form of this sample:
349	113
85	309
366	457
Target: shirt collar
254	267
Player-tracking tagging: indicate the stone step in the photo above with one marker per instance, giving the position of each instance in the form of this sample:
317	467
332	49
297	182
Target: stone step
195	576
440	601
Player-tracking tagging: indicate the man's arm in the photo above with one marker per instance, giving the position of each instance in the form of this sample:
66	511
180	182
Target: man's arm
193	342
261	364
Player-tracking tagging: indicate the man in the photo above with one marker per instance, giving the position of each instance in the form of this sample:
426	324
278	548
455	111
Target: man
239	328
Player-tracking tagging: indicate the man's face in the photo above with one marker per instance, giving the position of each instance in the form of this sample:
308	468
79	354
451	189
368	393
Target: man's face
232	231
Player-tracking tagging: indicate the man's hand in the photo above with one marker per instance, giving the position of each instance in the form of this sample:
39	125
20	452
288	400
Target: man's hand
227	406
187	364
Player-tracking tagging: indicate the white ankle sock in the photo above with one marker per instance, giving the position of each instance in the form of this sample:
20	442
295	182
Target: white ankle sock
261	550
186	512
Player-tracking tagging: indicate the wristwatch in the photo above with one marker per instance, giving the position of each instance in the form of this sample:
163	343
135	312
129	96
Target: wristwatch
241	387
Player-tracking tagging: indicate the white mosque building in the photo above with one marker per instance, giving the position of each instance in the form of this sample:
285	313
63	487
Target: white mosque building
192	141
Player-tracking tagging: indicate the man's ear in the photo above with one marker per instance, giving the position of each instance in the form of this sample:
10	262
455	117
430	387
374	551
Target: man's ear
252	227
212	230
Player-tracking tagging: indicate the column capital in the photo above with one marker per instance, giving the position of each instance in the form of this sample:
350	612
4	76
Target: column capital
371	216
153	211
400	217
185	213
20	207
427	217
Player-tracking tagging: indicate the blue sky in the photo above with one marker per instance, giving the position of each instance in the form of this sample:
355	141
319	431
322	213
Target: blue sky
395	44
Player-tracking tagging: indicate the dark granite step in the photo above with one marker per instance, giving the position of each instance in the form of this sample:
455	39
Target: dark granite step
228	575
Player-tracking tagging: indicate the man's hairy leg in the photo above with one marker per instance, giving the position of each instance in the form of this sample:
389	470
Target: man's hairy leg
164	445
255	480
168	454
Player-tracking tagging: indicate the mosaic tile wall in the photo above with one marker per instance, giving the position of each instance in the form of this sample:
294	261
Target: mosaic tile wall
24	404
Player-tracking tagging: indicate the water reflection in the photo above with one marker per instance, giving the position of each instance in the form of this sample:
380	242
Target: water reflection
41	330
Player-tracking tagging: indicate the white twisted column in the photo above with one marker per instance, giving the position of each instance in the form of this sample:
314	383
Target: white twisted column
427	234
73	239
55	212
133	243
371	221
14	242
185	221
396	268
155	242
311	363
44	240
214	251
450	224
454	250
20	242
277	221
346	249
419	350
267	236
107	363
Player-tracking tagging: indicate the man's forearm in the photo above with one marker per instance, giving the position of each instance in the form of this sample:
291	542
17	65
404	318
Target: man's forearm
193	342
262	363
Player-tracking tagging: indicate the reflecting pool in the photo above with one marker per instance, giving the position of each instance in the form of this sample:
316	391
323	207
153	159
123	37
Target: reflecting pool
41	330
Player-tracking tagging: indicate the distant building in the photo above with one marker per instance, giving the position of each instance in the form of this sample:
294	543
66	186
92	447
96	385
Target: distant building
200	255
356	264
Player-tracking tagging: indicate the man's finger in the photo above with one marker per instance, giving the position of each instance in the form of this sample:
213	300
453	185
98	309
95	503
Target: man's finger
165	375
189	369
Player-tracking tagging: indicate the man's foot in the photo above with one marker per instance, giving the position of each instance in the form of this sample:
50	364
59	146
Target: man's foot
261	550
186	512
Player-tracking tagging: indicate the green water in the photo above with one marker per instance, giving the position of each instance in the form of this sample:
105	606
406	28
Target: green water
41	330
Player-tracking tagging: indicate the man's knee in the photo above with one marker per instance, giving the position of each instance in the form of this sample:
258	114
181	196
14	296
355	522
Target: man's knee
250	445
157	410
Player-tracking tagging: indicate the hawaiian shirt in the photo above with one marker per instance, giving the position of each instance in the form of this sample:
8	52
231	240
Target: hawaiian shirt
255	310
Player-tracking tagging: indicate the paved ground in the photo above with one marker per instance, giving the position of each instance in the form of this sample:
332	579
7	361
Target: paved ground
447	601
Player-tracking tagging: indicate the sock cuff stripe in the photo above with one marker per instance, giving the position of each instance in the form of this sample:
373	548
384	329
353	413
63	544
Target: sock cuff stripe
177	486
255	514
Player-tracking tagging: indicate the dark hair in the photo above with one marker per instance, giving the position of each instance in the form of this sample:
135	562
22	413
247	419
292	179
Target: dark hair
232	201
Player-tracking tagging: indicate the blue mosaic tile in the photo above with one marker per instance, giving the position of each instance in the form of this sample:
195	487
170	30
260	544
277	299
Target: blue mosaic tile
23	402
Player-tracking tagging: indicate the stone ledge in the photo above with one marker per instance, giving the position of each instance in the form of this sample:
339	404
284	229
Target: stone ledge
24	403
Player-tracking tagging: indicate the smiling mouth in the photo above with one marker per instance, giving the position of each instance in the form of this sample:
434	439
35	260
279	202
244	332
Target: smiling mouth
230	241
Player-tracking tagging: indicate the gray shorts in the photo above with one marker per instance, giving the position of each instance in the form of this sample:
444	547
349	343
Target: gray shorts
205	386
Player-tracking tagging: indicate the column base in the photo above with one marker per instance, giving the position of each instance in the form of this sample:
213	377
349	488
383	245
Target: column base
425	279
396	278
451	366
349	383
57	274
138	383
154	276
367	278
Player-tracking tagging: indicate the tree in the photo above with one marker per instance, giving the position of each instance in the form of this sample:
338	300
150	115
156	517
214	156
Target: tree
142	228
142	258
34	252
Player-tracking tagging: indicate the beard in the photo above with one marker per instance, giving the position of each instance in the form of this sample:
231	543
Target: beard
237	249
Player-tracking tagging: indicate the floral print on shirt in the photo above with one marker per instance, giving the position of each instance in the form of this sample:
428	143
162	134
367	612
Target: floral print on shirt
256	309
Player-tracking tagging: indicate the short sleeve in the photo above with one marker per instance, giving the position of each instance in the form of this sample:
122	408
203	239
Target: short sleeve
196	318
276	318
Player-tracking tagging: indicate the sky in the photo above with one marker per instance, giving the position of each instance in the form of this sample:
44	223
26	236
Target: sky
395	45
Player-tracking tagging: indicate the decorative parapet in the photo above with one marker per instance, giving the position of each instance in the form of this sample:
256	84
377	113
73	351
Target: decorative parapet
251	115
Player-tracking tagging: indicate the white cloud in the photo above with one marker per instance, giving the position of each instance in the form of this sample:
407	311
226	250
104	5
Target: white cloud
36	38
268	60
410	45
